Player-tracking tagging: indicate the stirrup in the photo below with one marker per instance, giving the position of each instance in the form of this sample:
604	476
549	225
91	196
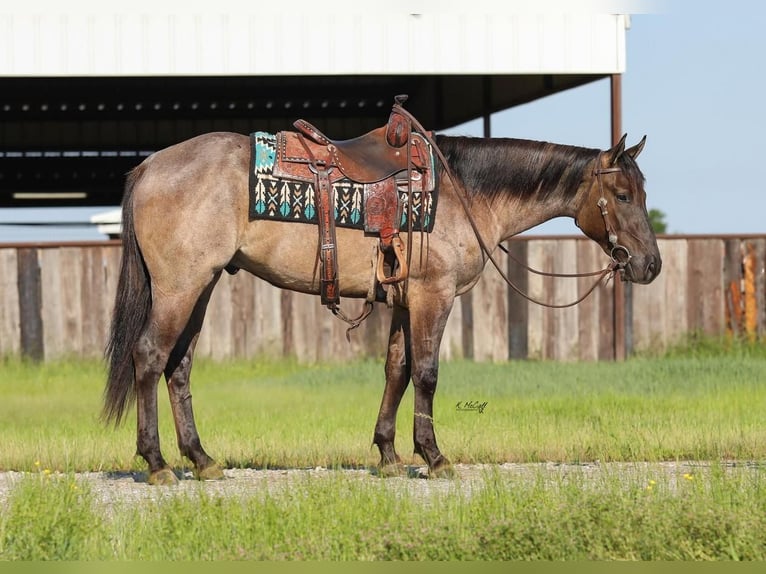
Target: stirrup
398	246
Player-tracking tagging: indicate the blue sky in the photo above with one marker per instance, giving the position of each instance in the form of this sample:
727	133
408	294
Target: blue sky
694	84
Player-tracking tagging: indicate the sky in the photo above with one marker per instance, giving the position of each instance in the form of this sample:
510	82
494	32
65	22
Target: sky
694	85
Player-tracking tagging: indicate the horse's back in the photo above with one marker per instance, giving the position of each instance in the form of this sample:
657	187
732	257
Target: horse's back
205	172
197	156
189	203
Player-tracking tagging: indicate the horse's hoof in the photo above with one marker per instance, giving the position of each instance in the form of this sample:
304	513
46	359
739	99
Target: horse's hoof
211	472
444	470
392	470
163	477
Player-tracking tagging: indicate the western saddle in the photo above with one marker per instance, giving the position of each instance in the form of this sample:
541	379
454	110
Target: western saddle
393	157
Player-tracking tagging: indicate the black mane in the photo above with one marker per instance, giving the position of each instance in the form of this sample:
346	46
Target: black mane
501	166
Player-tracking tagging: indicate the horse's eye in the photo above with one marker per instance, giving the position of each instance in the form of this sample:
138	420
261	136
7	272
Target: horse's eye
623	198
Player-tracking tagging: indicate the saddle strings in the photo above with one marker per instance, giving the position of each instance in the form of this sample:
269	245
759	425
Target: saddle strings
353	323
463	195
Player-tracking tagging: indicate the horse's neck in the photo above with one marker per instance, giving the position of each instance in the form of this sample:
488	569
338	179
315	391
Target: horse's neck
504	213
510	215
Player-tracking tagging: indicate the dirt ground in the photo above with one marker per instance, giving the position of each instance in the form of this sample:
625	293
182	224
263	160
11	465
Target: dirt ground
131	487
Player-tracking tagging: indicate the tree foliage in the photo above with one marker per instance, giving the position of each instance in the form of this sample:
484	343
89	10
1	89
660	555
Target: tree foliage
657	220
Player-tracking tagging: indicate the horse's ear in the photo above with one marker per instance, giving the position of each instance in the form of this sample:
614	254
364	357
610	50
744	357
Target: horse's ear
636	149
617	150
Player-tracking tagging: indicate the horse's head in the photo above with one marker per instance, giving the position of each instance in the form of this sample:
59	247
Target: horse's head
614	214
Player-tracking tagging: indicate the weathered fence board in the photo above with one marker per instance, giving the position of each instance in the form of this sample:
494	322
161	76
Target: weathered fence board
452	340
565	333
268	327
649	311
10	335
373	333
466	323
674	318
56	301
659	310
705	286
30	304
732	280
241	293
95	307
518	310
589	258
490	313
759	270
537	258
52	311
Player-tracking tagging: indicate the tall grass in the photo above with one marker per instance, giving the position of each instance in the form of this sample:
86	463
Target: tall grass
687	405
49	518
718	515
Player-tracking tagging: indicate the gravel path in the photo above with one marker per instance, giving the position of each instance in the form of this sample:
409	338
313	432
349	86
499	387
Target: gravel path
131	487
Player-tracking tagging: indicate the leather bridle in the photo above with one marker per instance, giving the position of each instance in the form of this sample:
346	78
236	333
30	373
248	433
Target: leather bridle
611	232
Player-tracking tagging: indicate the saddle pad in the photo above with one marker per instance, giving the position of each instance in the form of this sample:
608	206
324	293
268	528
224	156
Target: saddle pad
281	199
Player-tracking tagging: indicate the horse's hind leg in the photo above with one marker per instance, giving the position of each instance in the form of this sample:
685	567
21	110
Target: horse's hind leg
166	323
150	356
397	379
177	373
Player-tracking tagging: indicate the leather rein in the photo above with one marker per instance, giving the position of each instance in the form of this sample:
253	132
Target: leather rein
614	266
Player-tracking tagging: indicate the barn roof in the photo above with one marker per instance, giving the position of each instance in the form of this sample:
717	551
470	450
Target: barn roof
91	87
305	38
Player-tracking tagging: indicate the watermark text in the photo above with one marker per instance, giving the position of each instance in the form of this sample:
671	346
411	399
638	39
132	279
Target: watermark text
477	406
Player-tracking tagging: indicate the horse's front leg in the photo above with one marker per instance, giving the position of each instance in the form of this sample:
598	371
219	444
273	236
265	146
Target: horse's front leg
427	328
397	379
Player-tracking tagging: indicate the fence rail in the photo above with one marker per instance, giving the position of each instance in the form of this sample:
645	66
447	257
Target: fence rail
56	301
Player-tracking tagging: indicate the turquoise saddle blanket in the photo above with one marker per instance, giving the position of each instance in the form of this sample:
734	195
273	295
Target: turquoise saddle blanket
280	199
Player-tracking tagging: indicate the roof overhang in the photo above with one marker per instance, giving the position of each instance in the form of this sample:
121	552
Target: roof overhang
134	76
306	38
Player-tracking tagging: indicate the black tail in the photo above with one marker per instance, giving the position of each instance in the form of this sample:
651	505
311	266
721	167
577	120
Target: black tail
131	310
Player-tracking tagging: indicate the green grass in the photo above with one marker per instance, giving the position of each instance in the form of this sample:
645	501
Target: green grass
702	402
717	515
688	405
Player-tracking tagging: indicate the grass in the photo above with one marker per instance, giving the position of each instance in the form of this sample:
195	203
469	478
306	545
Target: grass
703	402
717	515
696	405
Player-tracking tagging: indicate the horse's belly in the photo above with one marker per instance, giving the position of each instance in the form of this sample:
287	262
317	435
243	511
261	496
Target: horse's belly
286	255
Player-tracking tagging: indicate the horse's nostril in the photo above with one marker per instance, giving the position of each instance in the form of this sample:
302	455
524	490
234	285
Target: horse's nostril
651	268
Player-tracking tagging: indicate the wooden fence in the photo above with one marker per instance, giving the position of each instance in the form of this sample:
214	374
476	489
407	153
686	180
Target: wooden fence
56	300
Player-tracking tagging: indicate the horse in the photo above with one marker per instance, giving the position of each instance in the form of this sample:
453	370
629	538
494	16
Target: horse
186	220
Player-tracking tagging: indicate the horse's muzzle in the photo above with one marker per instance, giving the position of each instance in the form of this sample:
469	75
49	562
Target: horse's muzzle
642	270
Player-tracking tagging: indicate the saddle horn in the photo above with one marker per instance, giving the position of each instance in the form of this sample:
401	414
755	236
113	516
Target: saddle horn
398	130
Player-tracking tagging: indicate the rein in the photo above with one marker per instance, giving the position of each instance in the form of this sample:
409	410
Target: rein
610	269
